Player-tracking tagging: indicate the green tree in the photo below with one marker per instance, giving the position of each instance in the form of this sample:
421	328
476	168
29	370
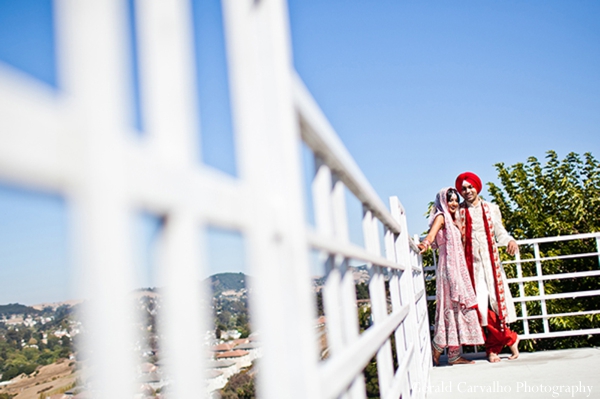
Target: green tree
16	364
364	317
558	198
31	354
47	357
362	291
371	379
240	386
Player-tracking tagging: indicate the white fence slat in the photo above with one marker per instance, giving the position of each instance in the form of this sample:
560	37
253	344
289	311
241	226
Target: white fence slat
378	300
333	309
558	334
350	251
576	256
419	369
166	77
400	386
181	321
340	216
321	191
598	249
260	65
339	371
550	315
402	351
318	134
351	328
562	295
522	294
560	276
81	144
543	240
33	150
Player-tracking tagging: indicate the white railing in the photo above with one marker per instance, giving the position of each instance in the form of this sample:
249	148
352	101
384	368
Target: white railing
540	277
77	142
407	322
536	275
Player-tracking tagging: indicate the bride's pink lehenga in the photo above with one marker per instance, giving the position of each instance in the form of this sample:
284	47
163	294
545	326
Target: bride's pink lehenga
456	316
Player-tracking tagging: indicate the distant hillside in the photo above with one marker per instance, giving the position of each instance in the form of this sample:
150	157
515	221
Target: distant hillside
227	281
359	273
56	305
17	308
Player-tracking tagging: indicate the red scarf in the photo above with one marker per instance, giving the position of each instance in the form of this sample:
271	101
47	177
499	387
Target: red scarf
493	251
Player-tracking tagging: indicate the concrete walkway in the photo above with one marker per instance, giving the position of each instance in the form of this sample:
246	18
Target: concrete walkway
569	373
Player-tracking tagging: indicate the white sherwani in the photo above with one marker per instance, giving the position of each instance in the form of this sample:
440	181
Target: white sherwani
482	264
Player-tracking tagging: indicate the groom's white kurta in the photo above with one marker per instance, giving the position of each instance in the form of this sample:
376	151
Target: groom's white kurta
482	264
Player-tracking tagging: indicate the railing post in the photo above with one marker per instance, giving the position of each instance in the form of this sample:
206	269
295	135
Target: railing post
400	335
321	191
339	296
522	294
419	353
598	249
268	138
378	301
540	273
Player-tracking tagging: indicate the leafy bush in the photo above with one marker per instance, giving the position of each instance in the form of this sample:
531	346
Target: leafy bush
559	198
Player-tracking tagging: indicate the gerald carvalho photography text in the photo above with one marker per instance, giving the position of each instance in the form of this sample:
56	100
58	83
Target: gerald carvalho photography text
576	389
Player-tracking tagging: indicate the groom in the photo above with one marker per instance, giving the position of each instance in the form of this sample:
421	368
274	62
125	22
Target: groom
482	228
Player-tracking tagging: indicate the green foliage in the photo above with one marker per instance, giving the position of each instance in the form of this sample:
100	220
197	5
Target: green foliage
14	370
17	308
239	386
371	379
558	198
15	360
23	349
362	291
230	313
364	318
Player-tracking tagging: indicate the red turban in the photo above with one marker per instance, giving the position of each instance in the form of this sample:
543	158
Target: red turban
471	178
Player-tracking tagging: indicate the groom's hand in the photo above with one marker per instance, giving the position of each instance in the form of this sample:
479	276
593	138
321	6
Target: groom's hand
512	248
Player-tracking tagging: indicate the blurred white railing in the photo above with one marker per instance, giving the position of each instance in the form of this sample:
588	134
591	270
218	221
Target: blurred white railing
407	321
77	141
533	246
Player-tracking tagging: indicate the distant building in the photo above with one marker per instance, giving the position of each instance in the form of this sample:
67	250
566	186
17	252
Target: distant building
254	350
240	341
215	380
227	367
230	334
225	347
61	333
241	358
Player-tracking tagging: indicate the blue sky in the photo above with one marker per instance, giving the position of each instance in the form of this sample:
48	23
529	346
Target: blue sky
422	91
418	92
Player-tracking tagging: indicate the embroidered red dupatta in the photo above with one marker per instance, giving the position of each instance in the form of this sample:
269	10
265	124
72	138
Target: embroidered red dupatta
493	253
